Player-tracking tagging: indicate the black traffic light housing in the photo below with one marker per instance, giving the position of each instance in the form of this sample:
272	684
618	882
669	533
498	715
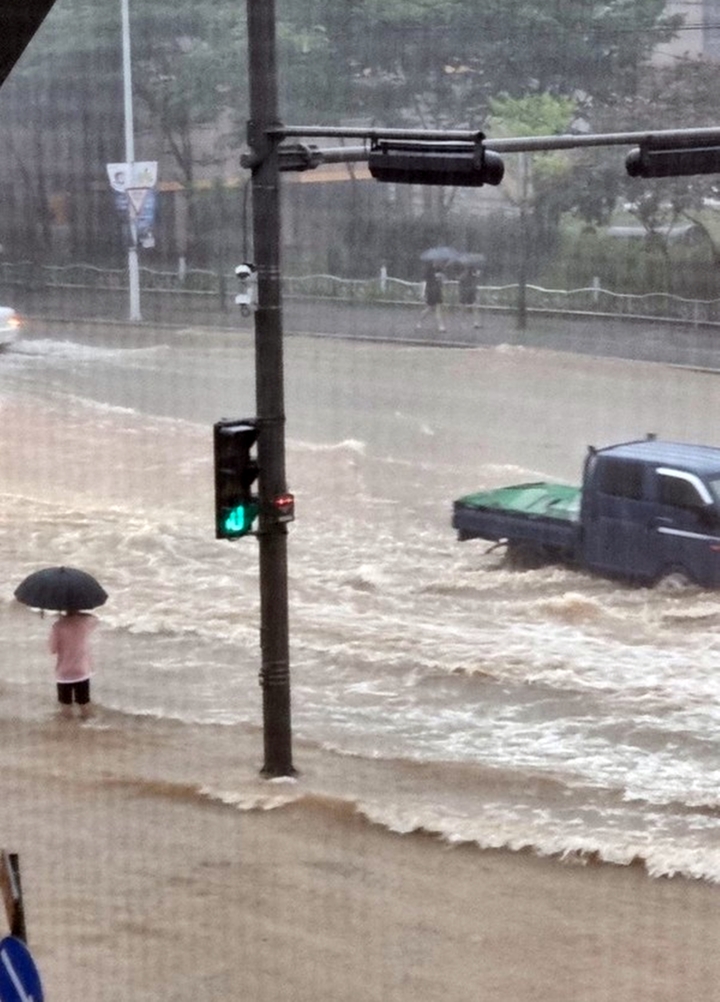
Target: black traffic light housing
456	164
236	470
656	158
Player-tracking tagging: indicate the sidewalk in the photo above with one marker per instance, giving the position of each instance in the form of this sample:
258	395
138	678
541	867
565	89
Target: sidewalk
670	342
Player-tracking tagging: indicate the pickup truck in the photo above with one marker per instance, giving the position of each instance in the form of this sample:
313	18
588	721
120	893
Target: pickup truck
647	511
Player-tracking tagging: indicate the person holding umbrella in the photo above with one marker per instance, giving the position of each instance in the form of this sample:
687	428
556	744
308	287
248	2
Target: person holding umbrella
68	591
70	642
433	290
467	292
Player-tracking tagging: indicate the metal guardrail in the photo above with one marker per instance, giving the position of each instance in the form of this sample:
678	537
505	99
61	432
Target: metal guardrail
591	300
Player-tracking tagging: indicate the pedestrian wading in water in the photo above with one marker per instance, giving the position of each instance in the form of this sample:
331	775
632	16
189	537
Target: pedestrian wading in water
70	642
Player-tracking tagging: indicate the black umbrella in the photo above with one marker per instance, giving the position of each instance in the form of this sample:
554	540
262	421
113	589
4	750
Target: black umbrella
61	588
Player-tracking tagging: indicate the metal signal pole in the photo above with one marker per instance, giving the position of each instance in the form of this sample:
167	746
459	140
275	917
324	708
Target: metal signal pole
272	534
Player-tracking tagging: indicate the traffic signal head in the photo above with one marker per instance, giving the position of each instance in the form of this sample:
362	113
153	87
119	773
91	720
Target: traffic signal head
236	470
454	164
650	160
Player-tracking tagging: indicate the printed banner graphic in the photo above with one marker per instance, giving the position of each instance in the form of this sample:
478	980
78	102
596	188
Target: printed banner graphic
135	192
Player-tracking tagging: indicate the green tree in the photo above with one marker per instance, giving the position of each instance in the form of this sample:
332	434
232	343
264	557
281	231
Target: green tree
65	97
440	63
57	111
189	74
437	62
188	64
682	95
535	182
384	62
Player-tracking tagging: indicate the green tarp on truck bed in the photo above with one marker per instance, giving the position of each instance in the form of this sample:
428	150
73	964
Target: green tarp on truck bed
552	500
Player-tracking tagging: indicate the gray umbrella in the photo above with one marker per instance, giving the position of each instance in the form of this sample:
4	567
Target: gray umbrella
61	588
471	260
440	255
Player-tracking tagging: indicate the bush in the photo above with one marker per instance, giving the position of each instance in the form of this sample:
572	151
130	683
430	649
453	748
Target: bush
634	265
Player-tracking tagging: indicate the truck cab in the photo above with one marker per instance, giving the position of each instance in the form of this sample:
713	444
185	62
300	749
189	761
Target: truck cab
651	510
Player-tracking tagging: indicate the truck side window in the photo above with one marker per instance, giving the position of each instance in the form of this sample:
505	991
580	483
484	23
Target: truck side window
621	478
679	493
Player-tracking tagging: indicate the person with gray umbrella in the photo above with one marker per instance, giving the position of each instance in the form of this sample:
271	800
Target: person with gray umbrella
68	591
467	292
433	294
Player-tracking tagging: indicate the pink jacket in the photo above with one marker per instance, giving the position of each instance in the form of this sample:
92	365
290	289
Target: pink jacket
69	639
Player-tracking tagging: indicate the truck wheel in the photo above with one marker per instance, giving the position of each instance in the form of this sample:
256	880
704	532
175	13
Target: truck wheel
522	556
675	579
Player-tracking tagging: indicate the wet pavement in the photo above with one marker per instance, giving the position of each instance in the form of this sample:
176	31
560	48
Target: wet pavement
670	342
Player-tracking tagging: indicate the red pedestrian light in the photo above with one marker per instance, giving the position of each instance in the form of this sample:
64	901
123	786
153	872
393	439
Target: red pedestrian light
284	507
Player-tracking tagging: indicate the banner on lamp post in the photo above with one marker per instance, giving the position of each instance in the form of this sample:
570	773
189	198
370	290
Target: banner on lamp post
134	188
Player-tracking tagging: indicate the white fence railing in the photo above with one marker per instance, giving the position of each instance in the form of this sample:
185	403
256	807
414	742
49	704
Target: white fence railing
380	289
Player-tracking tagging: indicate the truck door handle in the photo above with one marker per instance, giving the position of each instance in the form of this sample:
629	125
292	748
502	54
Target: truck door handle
660	522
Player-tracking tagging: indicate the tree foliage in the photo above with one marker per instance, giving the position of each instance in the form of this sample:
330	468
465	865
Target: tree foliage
188	71
416	63
535	115
431	62
682	95
392	62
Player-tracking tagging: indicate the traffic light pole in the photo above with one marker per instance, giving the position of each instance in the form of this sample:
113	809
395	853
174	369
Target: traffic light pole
272	535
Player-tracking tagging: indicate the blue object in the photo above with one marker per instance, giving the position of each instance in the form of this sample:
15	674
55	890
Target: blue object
648	511
19	977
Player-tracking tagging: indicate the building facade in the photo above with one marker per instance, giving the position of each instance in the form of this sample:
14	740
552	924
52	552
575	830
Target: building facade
699	36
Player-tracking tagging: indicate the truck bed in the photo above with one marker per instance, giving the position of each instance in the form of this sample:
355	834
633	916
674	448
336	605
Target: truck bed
541	513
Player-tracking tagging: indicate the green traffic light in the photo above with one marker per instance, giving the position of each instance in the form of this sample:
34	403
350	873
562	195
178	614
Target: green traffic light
239	520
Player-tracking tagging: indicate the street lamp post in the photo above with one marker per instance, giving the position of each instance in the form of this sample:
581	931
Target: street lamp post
133	268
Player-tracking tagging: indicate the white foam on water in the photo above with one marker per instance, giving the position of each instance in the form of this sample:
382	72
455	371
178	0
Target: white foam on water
49	349
405	646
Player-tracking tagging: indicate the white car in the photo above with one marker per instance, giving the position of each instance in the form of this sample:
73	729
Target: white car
9	325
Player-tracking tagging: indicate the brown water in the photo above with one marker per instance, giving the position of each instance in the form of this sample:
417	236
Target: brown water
432	687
